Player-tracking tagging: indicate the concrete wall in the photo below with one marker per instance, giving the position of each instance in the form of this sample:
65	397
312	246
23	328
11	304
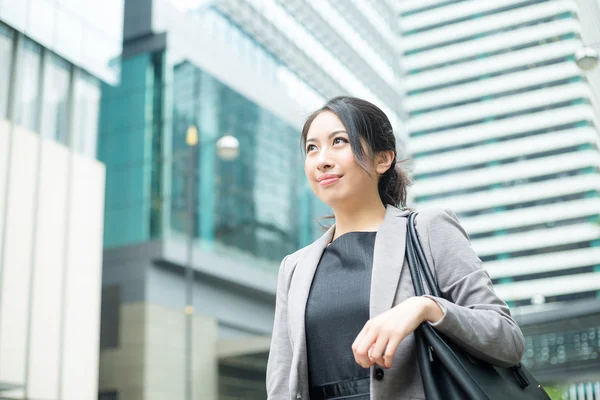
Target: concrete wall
149	362
51	222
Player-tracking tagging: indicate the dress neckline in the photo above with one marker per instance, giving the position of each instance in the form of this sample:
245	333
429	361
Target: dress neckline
349	234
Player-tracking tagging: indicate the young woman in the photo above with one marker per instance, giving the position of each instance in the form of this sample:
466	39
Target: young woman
346	310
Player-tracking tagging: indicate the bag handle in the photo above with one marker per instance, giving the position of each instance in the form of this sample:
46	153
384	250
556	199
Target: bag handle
419	267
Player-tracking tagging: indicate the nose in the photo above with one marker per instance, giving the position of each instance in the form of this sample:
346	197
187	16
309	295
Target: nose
324	162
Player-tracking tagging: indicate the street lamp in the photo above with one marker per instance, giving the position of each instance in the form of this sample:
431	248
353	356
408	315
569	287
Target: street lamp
586	58
228	150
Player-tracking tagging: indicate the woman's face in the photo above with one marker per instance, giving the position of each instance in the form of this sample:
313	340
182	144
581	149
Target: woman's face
332	171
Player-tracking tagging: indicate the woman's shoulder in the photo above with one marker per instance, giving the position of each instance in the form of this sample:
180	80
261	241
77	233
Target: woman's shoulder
435	214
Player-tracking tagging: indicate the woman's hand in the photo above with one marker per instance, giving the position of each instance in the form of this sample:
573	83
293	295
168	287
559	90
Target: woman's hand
378	340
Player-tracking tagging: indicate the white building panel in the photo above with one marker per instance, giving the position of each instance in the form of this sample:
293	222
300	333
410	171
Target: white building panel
504	105
504	150
502	62
536	239
518	194
17	257
502	128
491	43
83	280
459	10
492	86
487	23
509	172
545	214
409	5
47	276
558	261
549	286
5	127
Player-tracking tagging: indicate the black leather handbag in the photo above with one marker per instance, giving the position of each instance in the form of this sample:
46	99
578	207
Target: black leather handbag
448	372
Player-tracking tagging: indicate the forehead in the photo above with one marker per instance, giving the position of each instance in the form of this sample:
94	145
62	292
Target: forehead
325	123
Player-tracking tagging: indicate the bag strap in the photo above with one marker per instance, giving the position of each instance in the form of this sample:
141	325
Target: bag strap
419	267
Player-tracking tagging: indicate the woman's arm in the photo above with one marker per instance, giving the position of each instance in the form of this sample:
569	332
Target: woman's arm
280	354
475	318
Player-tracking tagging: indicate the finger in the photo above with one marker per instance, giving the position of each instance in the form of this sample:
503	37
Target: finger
360	337
379	348
390	350
361	354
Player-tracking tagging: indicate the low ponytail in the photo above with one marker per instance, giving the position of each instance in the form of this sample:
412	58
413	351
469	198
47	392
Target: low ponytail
393	185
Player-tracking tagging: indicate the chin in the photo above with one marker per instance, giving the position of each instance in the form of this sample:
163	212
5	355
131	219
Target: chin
333	201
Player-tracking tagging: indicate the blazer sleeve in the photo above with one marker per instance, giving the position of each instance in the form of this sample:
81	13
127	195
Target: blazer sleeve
474	316
280	353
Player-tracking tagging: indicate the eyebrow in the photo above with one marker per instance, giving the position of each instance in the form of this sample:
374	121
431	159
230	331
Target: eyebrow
330	135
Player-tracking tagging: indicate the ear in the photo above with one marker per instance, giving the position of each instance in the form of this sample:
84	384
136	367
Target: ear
383	161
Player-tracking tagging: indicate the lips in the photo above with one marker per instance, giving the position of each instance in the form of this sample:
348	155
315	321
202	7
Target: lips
328	179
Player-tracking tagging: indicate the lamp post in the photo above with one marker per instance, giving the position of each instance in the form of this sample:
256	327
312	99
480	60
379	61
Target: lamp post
227	149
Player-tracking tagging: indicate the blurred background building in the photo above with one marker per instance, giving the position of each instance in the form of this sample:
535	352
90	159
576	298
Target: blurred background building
248	69
54	55
111	119
503	126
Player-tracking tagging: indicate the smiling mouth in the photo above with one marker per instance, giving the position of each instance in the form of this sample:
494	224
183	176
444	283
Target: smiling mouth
329	181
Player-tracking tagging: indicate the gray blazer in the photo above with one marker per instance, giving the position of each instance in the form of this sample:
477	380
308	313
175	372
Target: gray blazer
476	318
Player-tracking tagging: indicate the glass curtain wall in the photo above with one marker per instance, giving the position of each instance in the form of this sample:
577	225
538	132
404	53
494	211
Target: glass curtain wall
55	105
87	112
6	50
29	82
52	96
256	204
250	203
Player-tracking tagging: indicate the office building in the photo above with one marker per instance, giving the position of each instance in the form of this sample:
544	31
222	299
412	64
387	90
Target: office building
54	55
504	130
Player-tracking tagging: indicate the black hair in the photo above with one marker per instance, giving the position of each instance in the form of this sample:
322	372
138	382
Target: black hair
366	124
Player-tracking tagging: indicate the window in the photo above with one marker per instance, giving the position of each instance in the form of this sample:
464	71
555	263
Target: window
29	81
56	94
6	44
109	317
86	110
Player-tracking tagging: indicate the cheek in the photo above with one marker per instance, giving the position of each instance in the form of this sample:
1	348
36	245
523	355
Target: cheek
309	170
307	167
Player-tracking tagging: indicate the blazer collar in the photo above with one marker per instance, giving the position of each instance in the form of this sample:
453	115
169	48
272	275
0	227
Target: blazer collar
388	259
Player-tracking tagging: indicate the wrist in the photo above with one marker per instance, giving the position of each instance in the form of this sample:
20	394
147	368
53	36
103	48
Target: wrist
431	311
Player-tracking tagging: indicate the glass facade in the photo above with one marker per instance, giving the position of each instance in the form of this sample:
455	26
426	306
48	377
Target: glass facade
6	49
56	93
28	84
52	96
257	204
86	113
87	33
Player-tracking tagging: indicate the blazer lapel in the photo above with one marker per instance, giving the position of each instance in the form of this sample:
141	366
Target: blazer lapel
298	297
388	259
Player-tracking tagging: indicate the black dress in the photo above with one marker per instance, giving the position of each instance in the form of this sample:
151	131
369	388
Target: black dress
336	311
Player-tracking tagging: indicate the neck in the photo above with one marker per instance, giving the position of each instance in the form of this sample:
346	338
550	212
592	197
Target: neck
364	217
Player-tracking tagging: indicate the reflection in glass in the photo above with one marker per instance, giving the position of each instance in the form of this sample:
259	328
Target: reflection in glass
27	107
247	204
86	109
6	36
56	93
